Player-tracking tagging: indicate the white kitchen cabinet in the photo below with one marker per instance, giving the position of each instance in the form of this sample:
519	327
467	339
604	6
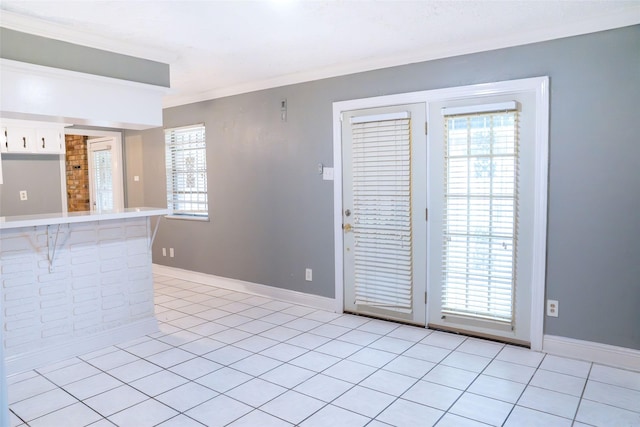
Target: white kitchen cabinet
26	137
20	139
49	141
3	139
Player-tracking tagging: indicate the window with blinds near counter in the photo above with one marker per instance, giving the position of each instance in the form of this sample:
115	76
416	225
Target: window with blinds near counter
382	212
480	214
102	180
186	158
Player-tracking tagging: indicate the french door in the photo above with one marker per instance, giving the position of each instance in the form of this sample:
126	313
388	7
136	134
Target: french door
481	165
483	178
384	209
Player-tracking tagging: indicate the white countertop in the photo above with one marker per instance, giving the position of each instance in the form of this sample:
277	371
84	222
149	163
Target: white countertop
7	222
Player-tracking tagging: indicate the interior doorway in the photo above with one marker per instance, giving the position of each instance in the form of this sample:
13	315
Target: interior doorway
94	170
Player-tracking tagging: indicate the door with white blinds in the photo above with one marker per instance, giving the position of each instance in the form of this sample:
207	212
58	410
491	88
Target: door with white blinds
384	208
104	184
481	166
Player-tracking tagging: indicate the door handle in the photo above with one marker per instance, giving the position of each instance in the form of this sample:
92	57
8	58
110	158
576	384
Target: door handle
347	228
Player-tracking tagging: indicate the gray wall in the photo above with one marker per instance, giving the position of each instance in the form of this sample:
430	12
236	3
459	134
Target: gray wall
133	167
271	214
24	47
39	175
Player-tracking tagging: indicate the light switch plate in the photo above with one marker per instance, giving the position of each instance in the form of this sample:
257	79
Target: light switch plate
327	174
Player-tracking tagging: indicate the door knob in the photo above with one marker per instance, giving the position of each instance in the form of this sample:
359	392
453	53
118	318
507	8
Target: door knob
347	228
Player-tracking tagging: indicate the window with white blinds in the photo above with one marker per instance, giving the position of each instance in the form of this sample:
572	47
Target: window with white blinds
382	213
187	171
103	180
480	214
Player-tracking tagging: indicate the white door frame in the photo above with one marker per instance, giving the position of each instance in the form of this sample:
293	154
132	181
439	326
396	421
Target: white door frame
116	152
537	85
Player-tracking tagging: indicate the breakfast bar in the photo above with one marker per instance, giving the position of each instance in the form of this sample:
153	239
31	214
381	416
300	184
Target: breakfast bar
74	282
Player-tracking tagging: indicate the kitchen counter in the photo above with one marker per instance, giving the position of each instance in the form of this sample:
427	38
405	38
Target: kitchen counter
74	283
17	221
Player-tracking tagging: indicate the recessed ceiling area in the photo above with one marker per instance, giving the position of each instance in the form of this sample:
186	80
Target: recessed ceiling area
220	48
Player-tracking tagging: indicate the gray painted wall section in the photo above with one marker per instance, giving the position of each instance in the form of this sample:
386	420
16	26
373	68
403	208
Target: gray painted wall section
271	214
39	175
19	46
134	194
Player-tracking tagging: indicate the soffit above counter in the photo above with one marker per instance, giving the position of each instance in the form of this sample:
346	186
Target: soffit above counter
46	94
50	80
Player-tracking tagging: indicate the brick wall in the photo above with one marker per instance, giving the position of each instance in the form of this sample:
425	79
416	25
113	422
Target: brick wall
77	173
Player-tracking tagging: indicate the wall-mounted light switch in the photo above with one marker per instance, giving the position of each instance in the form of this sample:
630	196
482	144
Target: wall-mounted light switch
327	174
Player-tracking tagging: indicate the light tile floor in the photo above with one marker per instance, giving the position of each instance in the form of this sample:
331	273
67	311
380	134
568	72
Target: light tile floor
229	358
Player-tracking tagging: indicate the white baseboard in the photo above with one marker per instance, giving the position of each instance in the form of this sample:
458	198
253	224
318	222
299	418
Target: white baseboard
79	346
287	295
619	357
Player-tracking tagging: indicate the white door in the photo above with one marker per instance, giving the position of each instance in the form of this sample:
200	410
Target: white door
384	208
105	175
481	203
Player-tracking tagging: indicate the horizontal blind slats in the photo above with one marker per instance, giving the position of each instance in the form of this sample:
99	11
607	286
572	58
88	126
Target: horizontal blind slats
381	185
187	170
480	215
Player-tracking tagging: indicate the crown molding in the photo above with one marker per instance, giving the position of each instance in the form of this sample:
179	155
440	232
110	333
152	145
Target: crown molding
601	23
39	27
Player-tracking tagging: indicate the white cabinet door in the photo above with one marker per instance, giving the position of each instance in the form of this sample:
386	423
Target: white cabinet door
3	140
20	140
49	141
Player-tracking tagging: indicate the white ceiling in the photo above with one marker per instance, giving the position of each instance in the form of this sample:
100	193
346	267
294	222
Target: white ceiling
219	48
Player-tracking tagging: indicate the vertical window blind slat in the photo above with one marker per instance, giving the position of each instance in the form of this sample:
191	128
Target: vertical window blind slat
186	171
480	215
381	156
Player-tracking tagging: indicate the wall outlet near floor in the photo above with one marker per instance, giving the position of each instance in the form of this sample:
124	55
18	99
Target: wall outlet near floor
164	251
308	275
171	253
552	308
23	195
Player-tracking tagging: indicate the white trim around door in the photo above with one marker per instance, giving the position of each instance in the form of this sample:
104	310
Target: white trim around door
537	85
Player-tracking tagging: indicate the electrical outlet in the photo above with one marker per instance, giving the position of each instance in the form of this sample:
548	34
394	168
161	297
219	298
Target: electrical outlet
23	195
164	251
552	308
171	253
308	275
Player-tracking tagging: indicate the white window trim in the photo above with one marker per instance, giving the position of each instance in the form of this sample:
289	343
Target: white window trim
188	217
537	85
